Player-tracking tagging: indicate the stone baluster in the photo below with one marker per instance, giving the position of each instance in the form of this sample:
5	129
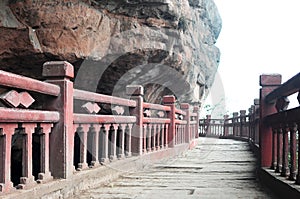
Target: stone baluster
44	130
279	150
149	134
104	131
274	149
298	170
293	152
27	178
153	137
158	134
128	140
6	132
82	131
285	152
94	133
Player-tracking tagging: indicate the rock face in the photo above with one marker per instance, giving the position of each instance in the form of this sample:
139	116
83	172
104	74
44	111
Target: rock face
165	45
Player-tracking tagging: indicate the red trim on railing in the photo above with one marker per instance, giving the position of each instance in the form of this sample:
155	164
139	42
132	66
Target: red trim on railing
22	116
96	97
156	107
17	81
156	120
181	112
103	119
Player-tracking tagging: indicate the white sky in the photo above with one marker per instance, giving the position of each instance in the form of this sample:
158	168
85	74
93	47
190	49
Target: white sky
258	36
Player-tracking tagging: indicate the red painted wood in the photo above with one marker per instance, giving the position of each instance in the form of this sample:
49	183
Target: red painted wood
156	107
21	115
25	83
27	177
62	138
180	122
285	147
137	93
103	119
268	83
5	156
181	112
45	173
293	152
187	134
170	101
156	120
58	69
288	88
96	97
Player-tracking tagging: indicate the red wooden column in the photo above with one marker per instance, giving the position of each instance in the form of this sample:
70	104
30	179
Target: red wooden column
169	100
293	152
6	132
187	134
285	152
279	150
298	170
274	149
62	138
137	92
268	83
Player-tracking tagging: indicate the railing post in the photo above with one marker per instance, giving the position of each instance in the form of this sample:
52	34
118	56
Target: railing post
169	100
208	120
293	152
234	123
62	136
196	110
242	122
137	92
268	83
186	107
225	129
256	121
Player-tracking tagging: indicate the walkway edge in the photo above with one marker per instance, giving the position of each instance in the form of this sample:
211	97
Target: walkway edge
279	185
90	178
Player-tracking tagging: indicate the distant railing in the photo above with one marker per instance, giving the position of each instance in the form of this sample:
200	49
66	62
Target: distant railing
49	129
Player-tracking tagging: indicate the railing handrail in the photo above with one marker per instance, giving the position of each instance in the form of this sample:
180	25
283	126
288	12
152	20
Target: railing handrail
156	120
11	80
102	119
179	111
288	88
10	115
156	107
101	98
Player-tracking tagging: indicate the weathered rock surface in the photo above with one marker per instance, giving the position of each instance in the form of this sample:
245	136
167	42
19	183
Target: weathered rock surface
167	46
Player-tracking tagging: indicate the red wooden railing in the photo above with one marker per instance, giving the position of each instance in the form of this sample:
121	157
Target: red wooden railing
269	125
280	127
49	129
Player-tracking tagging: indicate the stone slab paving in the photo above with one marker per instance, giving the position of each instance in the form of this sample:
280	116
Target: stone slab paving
216	168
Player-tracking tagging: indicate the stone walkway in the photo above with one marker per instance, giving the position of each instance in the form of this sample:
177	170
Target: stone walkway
216	168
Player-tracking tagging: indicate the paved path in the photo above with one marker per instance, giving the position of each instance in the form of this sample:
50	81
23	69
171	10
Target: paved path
214	169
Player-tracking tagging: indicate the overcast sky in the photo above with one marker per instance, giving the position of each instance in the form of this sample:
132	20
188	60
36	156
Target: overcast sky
258	36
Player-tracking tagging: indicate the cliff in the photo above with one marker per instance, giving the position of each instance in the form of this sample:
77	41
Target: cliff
168	46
